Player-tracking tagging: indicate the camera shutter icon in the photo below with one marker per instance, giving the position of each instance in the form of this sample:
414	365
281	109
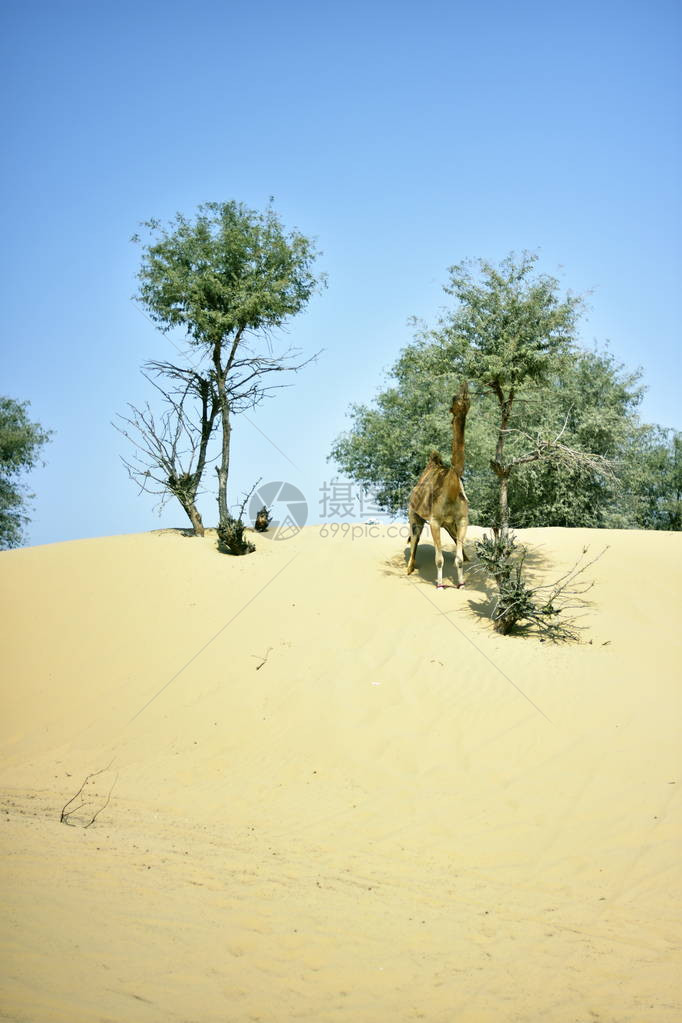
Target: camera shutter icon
287	505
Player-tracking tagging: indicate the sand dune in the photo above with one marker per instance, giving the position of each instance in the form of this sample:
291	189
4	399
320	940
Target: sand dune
334	793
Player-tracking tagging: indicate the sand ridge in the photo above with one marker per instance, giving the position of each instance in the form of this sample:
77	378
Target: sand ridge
337	794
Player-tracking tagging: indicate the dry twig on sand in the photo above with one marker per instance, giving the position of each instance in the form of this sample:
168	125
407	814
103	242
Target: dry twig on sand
67	814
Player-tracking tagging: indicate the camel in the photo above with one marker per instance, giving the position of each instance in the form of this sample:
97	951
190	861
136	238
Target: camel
439	498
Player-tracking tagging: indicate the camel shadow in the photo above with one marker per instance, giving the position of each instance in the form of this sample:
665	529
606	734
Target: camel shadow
478	584
425	563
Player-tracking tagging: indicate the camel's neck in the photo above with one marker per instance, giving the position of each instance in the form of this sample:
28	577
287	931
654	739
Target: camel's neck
458	422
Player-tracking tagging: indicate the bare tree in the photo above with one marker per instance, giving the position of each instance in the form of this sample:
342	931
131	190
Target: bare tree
245	386
171	447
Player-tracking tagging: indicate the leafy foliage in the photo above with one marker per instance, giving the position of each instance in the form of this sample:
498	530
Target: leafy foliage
20	444
509	328
572	446
652	478
229	270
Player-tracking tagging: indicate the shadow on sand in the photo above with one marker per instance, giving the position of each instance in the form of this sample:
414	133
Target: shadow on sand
478	585
210	531
175	530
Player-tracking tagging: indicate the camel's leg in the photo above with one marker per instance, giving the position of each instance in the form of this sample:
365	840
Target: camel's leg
435	533
460	532
416	526
453	533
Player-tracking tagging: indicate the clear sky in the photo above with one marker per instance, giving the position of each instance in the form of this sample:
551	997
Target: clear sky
403	137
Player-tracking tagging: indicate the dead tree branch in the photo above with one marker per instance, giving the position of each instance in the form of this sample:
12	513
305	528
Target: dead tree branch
171	449
544	448
547	608
69	811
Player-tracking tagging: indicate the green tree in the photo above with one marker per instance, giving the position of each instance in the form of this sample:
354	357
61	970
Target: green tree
593	401
20	443
228	279
670	507
652	478
508	333
547	416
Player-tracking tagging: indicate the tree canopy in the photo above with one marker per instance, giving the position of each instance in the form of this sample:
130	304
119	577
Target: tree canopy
509	327
21	442
229	270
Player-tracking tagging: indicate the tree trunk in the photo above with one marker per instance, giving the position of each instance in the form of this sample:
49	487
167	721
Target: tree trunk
459	410
192	513
223	468
504	506
501	470
209	410
195	519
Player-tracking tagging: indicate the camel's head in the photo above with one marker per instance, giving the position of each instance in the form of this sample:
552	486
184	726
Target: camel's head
460	402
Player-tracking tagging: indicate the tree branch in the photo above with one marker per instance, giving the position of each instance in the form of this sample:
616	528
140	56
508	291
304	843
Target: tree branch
171	452
68	813
574	457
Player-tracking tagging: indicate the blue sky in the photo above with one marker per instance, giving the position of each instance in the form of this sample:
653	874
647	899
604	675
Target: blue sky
404	138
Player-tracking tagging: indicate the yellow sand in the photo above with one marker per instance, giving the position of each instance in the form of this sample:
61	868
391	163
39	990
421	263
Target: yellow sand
350	799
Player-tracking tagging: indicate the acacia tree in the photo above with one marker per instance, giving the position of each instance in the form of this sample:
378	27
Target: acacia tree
512	336
509	332
229	278
171	447
20	445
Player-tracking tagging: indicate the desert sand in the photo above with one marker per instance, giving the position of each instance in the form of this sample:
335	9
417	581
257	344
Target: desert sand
334	793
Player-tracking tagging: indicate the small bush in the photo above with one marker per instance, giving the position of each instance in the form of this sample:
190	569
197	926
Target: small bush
263	519
231	538
540	606
496	552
